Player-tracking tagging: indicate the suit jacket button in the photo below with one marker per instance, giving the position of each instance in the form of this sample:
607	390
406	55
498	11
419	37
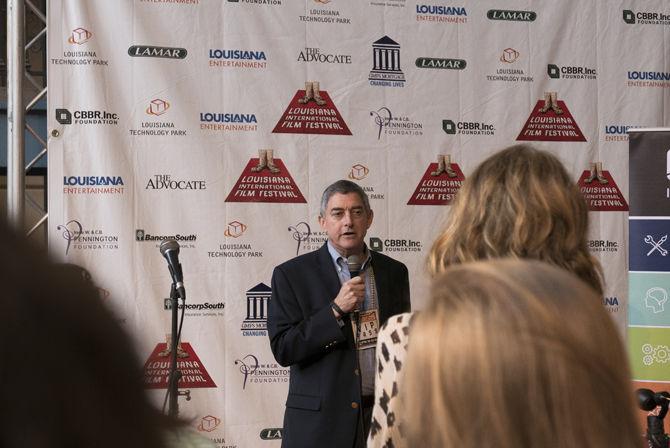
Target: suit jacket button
356	372
354	405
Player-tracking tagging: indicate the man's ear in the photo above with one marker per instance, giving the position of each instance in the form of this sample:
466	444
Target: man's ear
371	215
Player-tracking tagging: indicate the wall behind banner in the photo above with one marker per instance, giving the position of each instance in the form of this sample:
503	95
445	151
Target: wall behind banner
161	112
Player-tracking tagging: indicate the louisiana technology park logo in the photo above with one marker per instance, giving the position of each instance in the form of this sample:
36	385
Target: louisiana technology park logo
149	51
359	172
511	16
157	368
439	184
234	58
386	70
93	185
265	179
86	117
324	14
551	121
390	124
442	14
311	111
600	190
256	322
645	17
81	238
235	246
510	71
158	126
81	50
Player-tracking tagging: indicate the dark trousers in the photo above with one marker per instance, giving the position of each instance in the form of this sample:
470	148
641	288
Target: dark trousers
363	430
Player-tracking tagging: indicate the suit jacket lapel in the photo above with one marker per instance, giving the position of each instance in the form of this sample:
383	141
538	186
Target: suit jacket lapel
382	283
327	272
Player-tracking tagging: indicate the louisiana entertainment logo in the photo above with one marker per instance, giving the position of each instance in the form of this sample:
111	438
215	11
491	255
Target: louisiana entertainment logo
265	179
311	111
600	190
86	117
439	184
93	185
508	15
157	368
646	17
617	132
149	51
237	58
386	70
443	14
228	122
551	121
570	72
468	128
648	79
256	322
394	125
79	36
509	72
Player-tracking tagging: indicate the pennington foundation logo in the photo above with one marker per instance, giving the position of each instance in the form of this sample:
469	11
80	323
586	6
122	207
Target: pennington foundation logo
82	53
391	124
510	15
442	14
256	322
600	190
439	184
81	238
551	121
570	72
265	179
255	372
149	51
386	70
311	111
157	367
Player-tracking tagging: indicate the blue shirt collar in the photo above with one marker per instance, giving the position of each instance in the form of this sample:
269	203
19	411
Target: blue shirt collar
335	255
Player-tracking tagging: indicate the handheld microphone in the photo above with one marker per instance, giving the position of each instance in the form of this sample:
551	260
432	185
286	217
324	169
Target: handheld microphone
170	250
355	264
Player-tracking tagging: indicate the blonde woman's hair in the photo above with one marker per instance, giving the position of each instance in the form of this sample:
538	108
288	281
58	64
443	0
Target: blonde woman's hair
520	203
516	354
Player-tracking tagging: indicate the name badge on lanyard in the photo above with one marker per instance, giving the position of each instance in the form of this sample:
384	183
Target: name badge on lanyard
366	336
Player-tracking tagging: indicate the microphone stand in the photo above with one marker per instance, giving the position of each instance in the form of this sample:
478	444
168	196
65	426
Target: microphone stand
656	436
175	373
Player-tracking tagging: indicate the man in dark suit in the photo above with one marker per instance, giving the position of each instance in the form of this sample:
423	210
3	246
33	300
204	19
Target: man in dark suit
323	324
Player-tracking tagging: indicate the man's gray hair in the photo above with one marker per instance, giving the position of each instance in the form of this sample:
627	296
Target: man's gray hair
343	187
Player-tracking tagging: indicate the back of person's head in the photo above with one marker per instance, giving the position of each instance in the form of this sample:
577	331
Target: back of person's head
521	203
69	376
516	354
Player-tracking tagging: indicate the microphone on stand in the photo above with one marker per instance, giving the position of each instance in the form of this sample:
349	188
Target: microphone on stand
170	250
648	400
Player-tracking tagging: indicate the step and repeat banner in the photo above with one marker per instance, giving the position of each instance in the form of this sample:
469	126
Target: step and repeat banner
220	122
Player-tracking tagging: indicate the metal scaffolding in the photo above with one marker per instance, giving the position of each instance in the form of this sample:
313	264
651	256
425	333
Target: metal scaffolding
16	114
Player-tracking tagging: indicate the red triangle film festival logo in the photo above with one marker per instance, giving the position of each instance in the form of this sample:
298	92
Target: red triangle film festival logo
602	197
266	186
437	190
550	127
311	118
157	369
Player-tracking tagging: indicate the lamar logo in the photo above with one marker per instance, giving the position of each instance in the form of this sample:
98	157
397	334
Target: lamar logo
439	183
600	190
628	16
265	179
517	16
157	107
147	51
208	423
509	55
358	172
555	72
63	116
272	433
311	111
551	121
450	64
79	36
235	229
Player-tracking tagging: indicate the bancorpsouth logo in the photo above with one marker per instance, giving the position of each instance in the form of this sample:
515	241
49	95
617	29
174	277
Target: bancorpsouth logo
93	185
442	14
516	16
148	51
208	423
219	57
142	236
79	36
468	128
228	122
394	245
207	309
235	229
645	18
167	182
570	72
86	117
